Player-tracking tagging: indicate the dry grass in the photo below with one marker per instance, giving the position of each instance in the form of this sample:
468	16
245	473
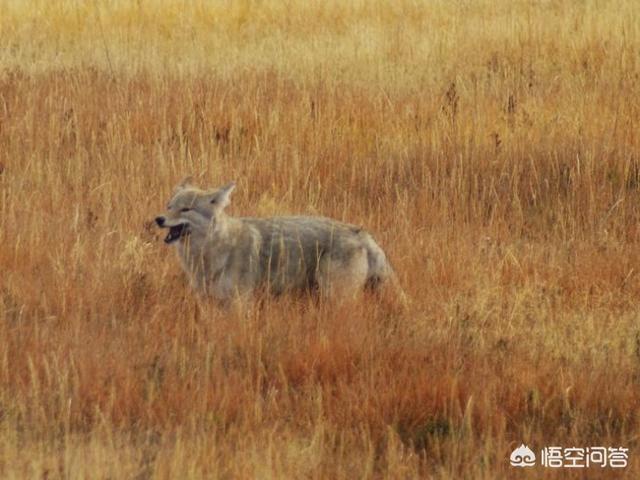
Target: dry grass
491	146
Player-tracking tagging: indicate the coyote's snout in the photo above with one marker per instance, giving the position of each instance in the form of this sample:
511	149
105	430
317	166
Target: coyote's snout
229	257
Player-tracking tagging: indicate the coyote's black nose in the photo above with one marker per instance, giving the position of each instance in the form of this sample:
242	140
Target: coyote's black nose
160	221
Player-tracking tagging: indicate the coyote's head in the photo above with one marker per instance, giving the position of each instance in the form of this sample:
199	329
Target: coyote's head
193	210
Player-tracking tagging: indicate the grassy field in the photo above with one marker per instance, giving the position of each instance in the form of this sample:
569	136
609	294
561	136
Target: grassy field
491	146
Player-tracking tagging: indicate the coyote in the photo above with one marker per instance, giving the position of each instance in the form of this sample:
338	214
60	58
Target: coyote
228	257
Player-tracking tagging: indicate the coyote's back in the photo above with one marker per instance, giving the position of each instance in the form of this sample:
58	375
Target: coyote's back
229	257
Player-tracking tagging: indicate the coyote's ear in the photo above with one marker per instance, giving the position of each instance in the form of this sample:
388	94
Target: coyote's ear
186	182
221	196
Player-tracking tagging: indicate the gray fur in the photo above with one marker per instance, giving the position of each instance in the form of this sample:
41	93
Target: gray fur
229	257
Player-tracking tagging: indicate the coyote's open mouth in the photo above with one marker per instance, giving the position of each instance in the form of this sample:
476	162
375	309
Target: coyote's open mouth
176	232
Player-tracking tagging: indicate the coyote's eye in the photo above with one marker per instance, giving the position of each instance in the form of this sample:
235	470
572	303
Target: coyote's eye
185	209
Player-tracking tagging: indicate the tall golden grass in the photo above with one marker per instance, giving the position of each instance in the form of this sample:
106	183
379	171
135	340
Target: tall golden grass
491	146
